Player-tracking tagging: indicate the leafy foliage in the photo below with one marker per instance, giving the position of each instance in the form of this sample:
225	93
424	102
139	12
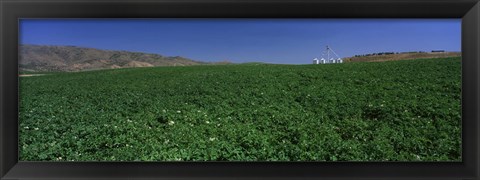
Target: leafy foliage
378	111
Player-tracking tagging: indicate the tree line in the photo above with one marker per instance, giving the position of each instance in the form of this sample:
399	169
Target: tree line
388	53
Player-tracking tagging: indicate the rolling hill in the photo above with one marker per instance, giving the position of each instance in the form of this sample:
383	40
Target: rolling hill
45	58
402	56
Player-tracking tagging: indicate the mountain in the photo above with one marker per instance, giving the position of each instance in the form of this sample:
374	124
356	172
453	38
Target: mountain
402	56
41	58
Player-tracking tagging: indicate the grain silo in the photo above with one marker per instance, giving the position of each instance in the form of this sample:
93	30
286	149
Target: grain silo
339	60
332	60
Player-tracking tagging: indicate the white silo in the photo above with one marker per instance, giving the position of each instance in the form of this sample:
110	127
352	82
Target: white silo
315	61
332	60
339	60
322	61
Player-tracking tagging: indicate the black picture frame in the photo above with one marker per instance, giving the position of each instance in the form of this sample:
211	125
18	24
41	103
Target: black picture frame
12	10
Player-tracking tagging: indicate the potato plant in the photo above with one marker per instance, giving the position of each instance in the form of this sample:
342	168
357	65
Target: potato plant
373	111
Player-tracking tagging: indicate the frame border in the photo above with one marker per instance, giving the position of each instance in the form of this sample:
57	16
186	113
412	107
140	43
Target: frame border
11	11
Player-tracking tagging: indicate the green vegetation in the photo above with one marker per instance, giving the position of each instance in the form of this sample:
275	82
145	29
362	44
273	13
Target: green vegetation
379	111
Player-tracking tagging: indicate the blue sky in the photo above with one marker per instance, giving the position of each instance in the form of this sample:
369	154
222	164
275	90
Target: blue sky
285	41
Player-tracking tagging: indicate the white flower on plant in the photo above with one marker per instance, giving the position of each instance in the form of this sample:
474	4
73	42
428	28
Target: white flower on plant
171	123
26	127
208	122
212	138
179	111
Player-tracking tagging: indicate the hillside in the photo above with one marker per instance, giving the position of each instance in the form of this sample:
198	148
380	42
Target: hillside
401	56
71	58
389	111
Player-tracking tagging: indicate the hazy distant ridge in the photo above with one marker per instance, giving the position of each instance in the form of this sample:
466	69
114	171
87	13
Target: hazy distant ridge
72	58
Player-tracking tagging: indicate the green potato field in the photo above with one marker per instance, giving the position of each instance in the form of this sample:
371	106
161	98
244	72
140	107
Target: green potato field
406	110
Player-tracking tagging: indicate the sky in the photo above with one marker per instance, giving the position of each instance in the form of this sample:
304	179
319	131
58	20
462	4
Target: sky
282	41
